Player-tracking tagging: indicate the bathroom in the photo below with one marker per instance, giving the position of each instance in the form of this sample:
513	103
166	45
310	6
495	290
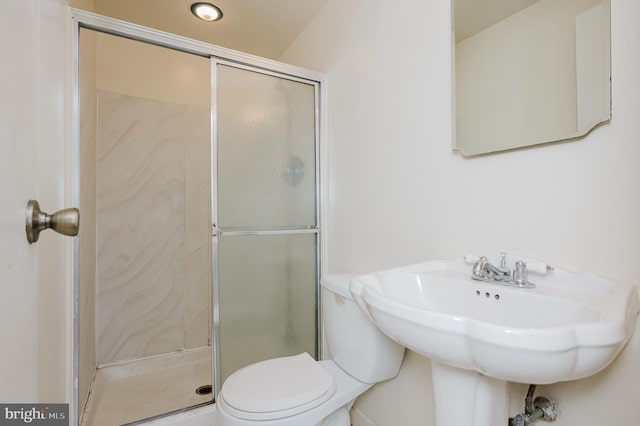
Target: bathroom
397	192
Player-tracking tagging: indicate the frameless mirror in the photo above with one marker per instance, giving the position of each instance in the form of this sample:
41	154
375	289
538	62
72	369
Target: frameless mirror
529	72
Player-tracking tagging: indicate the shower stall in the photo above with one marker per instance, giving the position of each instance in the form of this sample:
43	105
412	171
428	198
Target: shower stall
199	248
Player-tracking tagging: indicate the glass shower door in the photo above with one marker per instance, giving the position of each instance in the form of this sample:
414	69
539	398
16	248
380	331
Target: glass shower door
265	217
144	146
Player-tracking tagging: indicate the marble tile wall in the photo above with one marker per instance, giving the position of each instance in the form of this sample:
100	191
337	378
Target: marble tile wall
153	245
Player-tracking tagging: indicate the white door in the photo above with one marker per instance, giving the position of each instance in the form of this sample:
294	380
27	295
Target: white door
35	280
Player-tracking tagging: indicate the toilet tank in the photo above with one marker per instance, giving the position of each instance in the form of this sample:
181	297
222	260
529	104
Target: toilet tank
355	343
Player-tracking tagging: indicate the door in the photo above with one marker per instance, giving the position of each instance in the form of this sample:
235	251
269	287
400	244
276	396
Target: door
266	211
145	280
35	280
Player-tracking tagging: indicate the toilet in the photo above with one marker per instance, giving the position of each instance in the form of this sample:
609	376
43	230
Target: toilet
300	391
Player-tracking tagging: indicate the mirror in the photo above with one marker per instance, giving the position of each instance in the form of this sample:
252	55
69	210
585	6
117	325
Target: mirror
529	72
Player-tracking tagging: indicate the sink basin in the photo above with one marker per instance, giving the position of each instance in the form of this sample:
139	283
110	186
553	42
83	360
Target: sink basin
483	335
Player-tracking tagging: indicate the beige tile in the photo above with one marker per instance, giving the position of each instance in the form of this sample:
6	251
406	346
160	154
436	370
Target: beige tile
152	228
148	387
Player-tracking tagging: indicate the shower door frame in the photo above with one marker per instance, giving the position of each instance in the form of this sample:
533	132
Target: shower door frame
81	19
218	231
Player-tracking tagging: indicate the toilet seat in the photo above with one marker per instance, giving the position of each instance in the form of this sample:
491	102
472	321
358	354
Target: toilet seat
277	388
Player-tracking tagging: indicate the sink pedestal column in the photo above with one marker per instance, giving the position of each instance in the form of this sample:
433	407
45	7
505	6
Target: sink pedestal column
468	398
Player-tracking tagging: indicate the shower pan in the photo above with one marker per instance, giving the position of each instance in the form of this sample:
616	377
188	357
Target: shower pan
199	249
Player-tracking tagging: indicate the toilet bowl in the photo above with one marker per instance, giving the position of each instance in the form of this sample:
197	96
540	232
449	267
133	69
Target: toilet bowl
325	402
300	391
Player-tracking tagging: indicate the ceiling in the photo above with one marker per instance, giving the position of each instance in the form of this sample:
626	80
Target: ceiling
473	16
261	27
268	27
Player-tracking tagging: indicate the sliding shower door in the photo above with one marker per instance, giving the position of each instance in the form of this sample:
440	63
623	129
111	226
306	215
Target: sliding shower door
145	271
265	203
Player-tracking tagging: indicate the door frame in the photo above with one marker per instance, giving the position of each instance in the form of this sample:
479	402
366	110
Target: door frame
81	19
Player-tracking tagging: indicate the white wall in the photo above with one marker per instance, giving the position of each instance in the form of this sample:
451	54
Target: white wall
399	195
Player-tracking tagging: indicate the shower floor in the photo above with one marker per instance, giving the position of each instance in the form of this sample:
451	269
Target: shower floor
139	389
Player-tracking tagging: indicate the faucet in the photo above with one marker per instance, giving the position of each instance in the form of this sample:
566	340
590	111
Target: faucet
485	271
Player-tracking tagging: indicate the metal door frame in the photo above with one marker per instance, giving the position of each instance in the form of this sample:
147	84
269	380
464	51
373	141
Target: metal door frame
218	55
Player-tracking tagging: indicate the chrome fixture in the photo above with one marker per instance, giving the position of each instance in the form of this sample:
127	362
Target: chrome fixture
541	408
485	271
65	222
206	11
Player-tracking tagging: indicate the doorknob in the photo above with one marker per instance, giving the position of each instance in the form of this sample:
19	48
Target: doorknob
65	222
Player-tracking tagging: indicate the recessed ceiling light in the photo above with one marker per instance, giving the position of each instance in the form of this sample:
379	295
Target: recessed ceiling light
206	11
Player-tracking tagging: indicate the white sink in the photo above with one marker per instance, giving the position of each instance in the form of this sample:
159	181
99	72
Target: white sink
482	335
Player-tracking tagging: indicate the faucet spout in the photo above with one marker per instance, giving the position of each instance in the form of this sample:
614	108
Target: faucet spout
483	269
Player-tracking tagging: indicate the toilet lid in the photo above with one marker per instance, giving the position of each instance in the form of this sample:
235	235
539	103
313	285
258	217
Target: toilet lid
277	388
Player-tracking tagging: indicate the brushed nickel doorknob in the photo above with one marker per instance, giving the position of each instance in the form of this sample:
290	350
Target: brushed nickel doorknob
65	222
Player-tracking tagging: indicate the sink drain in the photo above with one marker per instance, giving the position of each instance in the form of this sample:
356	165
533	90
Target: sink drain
204	390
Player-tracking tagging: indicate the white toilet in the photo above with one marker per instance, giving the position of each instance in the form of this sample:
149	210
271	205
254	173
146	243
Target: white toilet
299	391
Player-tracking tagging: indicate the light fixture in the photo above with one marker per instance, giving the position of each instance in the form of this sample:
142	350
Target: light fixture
206	11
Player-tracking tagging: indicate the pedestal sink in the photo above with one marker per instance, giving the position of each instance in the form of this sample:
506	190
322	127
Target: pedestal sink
480	336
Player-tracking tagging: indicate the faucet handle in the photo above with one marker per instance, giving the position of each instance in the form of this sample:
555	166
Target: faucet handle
520	275
471	258
479	265
539	267
503	264
503	261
